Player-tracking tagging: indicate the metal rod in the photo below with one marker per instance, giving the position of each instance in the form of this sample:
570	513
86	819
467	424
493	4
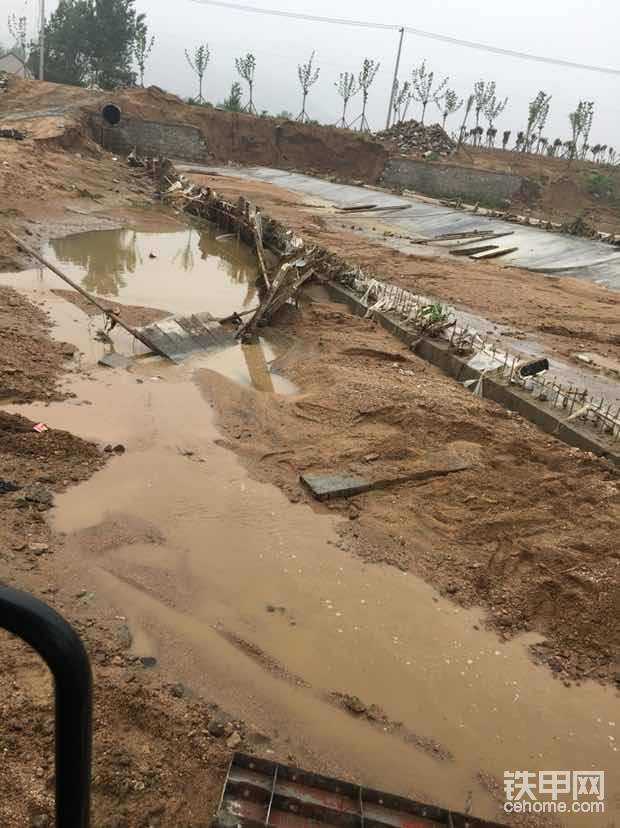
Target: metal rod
396	69
85	294
62	650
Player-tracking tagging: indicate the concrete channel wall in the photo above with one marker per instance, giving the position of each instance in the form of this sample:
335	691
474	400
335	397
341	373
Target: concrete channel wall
438	353
452	181
152	138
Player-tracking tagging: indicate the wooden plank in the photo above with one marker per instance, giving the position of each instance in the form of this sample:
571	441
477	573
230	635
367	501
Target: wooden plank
469	251
495	254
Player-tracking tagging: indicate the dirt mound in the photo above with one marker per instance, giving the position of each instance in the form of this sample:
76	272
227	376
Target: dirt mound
501	533
414	138
30	360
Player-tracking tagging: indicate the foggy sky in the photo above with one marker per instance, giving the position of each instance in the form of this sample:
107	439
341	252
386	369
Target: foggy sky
565	29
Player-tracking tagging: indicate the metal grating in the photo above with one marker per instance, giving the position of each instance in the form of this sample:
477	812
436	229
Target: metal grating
258	792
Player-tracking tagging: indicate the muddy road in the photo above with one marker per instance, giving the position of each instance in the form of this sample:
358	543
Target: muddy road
333	637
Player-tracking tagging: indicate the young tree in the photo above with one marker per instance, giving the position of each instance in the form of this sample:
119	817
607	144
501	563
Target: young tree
449	106
422	87
587	126
199	60
581	123
555	147
347	88
491	136
142	47
246	67
483	94
494	109
401	101
538	112
308	75
505	138
233	102
468	108
364	79
18	29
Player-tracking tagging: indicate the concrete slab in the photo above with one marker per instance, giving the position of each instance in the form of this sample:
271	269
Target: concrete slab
114	360
345	484
328	486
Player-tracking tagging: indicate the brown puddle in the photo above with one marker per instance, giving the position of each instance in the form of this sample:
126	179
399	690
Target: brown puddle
191	271
244	597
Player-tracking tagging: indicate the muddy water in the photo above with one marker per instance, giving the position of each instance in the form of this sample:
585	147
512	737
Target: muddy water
244	597
182	272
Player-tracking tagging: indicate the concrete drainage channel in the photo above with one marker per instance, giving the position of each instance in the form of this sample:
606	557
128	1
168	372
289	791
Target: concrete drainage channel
491	386
562	410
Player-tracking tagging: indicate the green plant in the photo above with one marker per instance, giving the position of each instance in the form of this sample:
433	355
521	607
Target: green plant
600	185
435	313
233	102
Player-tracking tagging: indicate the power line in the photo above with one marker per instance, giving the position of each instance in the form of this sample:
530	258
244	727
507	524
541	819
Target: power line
455	41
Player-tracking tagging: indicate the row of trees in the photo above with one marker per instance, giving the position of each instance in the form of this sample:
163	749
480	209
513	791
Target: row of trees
106	43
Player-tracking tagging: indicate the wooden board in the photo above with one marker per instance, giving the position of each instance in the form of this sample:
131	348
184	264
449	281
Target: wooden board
178	336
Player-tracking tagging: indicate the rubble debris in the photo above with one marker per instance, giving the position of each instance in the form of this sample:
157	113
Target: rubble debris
8	486
4	80
14	134
114	360
178	336
413	137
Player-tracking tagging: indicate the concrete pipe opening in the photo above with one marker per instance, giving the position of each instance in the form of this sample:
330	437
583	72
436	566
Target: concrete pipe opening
111	114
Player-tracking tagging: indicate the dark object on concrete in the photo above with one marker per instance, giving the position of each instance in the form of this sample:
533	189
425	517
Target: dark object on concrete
178	336
148	661
14	134
61	648
114	360
258	792
7	486
111	114
536	366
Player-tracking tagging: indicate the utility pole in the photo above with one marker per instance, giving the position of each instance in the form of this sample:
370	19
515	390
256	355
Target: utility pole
396	68
42	42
